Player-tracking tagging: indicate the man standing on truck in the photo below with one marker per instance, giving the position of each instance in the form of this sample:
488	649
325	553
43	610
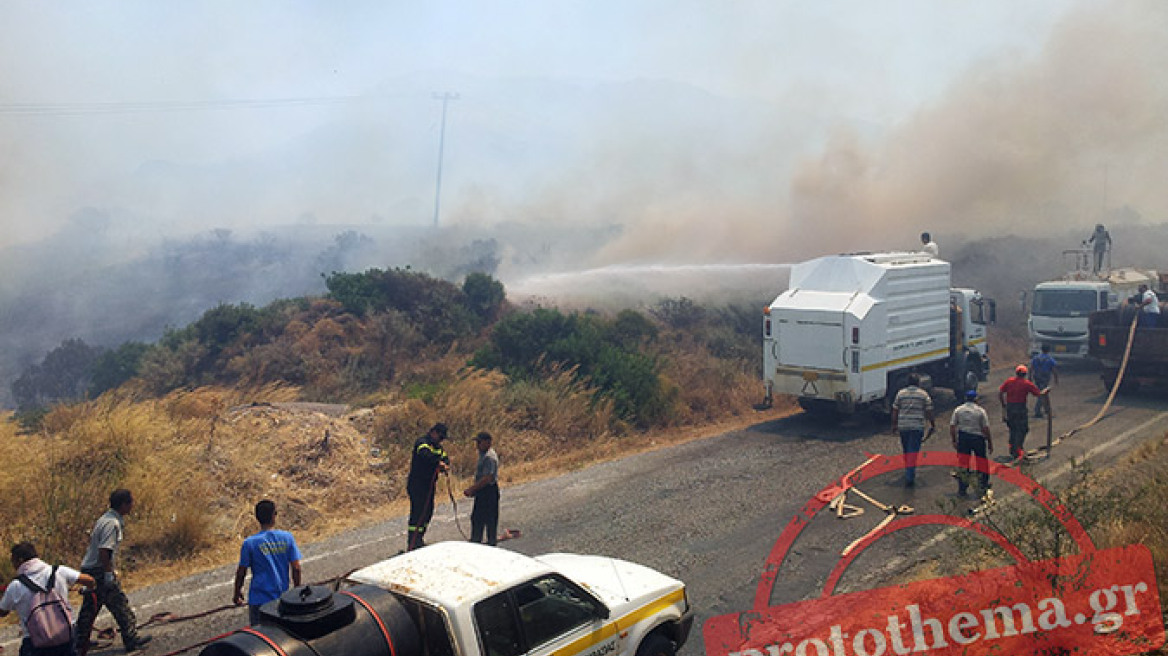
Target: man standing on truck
1101	241
969	427
1149	307
428	460
1013	394
911	409
1044	367
929	246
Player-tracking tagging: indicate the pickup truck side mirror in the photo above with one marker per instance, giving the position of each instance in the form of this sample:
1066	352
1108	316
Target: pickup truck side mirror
993	311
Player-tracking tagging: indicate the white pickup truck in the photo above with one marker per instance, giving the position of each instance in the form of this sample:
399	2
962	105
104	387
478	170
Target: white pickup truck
463	599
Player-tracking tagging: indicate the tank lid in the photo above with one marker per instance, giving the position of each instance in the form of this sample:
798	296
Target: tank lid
306	600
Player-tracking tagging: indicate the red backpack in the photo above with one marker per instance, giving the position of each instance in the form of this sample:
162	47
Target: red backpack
49	623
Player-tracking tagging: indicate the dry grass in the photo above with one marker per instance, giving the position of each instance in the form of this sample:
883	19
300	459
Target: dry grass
197	461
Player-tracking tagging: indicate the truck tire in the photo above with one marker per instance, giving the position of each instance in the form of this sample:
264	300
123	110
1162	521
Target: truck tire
968	378
971	379
656	644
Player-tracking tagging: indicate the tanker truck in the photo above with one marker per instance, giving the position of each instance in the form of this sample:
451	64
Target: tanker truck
1108	332
465	599
850	329
1060	308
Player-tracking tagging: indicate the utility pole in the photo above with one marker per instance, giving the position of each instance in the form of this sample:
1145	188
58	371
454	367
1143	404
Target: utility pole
445	97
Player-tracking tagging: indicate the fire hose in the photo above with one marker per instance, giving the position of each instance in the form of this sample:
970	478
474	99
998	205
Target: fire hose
1131	333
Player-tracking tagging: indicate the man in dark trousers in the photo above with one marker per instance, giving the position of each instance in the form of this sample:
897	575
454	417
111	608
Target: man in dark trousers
1101	242
1013	394
485	490
969	427
428	460
99	562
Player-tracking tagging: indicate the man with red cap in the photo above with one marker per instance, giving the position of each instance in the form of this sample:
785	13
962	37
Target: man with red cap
1013	394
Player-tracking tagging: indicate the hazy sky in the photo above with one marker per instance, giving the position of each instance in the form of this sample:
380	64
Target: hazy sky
77	80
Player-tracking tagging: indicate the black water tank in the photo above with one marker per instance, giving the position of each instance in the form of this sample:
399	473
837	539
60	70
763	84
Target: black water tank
315	621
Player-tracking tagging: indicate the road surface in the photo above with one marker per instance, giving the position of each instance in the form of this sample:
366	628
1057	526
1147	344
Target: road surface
709	511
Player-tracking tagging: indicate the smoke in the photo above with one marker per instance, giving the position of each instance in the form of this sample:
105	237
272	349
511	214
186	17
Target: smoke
1070	136
1073	137
550	174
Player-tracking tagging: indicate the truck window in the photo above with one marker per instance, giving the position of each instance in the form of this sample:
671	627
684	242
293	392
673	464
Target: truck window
549	607
432	627
1063	302
495	618
977	311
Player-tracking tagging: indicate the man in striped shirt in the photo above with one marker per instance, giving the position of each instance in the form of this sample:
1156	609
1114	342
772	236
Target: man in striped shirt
911	410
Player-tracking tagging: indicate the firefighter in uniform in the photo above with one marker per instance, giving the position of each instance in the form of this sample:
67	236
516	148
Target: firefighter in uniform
428	460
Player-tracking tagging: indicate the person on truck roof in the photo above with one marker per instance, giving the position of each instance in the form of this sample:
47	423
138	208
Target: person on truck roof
929	246
1013	394
1101	241
1149	307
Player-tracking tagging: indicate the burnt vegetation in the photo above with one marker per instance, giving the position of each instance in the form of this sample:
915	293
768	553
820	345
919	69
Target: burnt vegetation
376	330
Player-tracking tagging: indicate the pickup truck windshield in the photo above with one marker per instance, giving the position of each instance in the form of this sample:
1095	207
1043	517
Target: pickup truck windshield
1063	302
532	614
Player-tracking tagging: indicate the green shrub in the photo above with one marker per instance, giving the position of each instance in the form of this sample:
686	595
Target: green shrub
114	367
606	352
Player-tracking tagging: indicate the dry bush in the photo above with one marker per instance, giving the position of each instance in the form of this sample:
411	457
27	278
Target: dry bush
560	406
709	388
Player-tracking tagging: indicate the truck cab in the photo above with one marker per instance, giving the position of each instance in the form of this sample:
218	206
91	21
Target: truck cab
1059	309
472	600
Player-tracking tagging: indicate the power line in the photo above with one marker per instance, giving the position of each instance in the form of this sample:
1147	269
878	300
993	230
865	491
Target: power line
139	107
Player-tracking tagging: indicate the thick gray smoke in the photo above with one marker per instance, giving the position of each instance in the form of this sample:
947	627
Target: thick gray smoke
544	178
1069	137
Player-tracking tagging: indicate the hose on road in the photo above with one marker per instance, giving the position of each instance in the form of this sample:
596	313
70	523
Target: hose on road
1131	333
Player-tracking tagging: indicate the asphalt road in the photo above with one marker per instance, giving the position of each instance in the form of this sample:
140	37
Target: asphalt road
709	511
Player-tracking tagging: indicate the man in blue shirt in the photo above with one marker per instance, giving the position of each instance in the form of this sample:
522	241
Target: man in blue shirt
1043	367
270	555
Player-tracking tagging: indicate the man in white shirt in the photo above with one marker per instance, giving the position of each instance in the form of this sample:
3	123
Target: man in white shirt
969	427
929	246
19	596
1149	308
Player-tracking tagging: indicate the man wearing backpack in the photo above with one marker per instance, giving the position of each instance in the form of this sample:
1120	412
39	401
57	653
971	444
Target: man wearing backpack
99	563
40	596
